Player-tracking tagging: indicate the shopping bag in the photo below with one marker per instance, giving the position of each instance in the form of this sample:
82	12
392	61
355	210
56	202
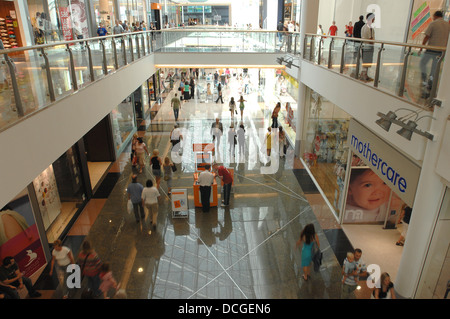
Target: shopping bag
134	161
129	206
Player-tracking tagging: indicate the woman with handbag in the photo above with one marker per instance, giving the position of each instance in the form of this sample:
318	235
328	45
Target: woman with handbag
156	163
90	267
308	238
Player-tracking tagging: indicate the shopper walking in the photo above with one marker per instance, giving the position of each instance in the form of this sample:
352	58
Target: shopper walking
232	141
308	238
192	87
168	170
134	191
232	106
241	106
156	163
275	112
107	280
134	141
150	199
241	140
63	257
224	174
268	141
219	93
141	150
205	180
176	106
217	132
90	267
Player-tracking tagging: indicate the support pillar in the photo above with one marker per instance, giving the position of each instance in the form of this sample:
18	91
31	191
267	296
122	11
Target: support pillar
429	195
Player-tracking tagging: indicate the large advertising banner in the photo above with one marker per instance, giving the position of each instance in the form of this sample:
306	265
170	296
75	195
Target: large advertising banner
384	170
19	237
66	23
79	17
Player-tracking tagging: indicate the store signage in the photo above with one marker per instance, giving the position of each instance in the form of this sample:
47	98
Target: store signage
396	170
421	19
66	23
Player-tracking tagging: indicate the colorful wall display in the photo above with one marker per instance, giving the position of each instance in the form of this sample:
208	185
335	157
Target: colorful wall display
19	236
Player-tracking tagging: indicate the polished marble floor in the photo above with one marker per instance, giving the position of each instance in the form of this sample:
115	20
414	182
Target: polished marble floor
244	251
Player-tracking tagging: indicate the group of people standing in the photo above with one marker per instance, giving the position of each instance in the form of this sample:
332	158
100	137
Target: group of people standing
353	267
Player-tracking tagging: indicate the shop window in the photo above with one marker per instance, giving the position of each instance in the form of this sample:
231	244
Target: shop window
123	123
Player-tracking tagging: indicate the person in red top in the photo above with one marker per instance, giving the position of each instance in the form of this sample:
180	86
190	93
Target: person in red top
227	179
349	30
333	29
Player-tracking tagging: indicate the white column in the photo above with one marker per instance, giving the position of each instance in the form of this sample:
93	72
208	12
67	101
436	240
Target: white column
308	24
428	199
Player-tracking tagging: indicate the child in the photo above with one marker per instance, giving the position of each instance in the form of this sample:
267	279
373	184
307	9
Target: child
367	197
107	279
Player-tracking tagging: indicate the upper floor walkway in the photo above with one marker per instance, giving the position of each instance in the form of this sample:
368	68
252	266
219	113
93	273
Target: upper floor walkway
32	78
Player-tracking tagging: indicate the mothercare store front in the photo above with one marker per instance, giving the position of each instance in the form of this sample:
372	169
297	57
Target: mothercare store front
380	185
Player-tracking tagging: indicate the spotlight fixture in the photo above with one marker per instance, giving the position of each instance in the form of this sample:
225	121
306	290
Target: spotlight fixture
407	129
288	61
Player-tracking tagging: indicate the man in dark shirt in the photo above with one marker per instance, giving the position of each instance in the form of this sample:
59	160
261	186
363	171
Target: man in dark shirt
11	279
358	26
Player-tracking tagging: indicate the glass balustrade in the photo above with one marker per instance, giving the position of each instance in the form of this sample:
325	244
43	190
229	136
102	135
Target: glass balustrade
34	77
408	71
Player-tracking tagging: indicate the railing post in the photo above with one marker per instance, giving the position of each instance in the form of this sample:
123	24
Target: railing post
341	69
131	48
15	87
330	54
138	47
143	43
377	69
434	86
124	50
311	49
319	53
305	45
91	65
358	60
51	89
149	43
404	69
116	62
104	63
73	76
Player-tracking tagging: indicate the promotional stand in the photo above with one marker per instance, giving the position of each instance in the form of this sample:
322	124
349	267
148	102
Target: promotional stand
180	205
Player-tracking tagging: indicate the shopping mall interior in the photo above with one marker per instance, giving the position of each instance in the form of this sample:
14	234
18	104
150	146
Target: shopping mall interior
345	150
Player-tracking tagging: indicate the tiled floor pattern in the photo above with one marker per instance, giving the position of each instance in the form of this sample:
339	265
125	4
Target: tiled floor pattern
245	251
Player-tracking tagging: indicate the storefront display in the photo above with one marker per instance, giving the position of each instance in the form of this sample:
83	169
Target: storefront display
60	193
325	149
123	123
9	28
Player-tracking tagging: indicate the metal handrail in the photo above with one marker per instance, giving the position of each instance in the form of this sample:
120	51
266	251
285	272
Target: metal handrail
402	44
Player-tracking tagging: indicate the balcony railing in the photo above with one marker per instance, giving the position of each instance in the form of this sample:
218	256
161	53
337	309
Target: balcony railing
396	68
31	78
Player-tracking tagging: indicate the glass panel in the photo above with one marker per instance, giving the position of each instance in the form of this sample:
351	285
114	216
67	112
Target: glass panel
81	63
391	68
59	67
351	57
336	54
325	51
97	58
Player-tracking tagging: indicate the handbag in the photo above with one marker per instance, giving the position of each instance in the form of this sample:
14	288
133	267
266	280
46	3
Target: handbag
235	140
317	256
134	161
174	168
129	206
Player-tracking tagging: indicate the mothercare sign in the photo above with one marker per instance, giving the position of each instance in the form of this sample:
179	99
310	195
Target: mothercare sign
396	170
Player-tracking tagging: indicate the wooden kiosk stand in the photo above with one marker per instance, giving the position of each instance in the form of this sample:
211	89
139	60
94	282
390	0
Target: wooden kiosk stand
203	156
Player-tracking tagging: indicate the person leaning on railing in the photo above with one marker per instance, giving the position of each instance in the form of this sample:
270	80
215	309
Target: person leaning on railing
435	35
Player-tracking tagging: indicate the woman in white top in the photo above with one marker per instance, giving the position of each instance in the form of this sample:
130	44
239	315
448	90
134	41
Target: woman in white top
150	200
63	257
241	140
231	139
